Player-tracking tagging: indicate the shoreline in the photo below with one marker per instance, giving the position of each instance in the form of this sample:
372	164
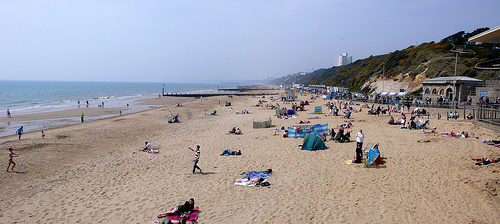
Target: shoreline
60	118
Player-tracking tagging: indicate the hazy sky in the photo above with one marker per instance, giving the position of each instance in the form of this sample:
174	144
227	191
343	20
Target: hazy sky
186	41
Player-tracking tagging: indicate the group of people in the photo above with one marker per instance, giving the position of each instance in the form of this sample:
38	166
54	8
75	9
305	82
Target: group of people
340	136
235	131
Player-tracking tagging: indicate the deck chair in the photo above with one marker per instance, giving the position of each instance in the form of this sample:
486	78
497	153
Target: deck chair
373	158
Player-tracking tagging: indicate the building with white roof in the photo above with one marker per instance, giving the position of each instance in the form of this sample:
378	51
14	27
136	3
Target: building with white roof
443	87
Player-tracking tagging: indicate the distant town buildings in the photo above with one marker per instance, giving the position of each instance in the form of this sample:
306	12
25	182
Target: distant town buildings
342	59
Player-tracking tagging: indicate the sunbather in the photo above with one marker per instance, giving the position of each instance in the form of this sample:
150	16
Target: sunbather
187	207
184	217
228	152
433	131
256	180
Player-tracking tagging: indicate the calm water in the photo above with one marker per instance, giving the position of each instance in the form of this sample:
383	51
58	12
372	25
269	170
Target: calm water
26	97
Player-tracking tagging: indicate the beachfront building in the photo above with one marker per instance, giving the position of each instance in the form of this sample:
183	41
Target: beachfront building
491	88
290	94
342	59
442	87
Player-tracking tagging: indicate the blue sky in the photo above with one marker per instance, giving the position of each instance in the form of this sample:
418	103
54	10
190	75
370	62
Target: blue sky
193	41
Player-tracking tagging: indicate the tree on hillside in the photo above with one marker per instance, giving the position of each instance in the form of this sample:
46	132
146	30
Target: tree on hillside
456	39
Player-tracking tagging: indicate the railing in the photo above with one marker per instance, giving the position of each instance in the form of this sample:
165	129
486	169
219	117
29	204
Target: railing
488	115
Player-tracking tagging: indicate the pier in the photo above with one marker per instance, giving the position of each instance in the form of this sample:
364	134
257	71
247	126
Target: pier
198	95
235	91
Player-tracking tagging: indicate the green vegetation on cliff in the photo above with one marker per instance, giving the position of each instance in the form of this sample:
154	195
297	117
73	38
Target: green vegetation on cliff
428	59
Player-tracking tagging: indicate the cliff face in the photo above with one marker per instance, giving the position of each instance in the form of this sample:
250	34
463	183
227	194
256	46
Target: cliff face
405	69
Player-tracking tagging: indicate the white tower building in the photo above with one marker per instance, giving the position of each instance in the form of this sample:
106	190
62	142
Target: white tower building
342	59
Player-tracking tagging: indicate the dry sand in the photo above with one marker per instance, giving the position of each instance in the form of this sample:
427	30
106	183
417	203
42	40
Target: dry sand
93	172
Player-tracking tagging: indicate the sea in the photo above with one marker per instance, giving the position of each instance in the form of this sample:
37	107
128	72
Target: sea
28	97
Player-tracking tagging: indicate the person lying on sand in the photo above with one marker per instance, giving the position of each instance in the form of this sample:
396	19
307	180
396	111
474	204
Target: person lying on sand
433	131
184	217
186	208
256	180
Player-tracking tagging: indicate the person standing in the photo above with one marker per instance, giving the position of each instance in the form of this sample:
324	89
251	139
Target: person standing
82	117
359	146
20	132
196	158
8	113
11	159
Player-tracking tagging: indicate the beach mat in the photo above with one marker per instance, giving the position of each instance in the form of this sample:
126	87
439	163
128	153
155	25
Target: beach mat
349	162
192	217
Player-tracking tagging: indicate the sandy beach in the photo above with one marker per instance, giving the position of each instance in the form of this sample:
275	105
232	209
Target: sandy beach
93	172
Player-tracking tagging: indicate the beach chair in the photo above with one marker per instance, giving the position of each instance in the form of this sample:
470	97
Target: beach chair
373	159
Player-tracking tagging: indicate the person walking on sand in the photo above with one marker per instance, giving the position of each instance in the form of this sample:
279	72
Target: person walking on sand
359	146
196	158
82	117
11	160
43	135
20	132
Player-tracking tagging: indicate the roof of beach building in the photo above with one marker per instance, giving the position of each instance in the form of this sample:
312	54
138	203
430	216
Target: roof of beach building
488	36
451	79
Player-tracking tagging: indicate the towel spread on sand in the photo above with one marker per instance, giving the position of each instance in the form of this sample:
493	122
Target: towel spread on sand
251	175
192	217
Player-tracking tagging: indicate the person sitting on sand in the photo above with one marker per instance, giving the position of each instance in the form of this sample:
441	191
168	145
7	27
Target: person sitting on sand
391	120
146	148
464	134
323	137
186	208
238	131
285	135
403	119
232	131
469	116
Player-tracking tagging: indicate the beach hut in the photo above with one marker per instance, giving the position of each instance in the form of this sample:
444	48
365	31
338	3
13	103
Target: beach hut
312	141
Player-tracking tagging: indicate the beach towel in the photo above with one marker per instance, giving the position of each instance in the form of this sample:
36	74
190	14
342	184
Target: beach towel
255	174
192	217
